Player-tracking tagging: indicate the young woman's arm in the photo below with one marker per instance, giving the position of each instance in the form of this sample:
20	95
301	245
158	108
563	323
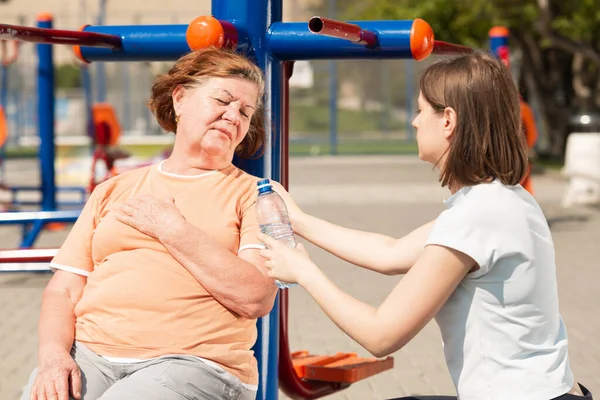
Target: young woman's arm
380	253
376	252
409	307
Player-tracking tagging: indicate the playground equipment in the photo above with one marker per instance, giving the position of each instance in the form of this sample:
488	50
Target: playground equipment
7	58
499	47
256	29
33	222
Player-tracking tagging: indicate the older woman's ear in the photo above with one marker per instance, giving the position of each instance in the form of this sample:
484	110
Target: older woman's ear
178	96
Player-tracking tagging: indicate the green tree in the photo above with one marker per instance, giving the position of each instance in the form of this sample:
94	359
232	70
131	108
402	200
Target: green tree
559	42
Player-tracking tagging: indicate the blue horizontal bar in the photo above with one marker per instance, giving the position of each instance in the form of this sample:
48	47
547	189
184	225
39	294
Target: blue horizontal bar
294	41
140	43
24	217
285	40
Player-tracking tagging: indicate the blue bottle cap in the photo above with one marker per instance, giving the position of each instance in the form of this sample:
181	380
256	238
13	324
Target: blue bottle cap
264	186
262	182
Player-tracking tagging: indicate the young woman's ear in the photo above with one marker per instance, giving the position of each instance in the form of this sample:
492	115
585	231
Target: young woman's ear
450	121
177	96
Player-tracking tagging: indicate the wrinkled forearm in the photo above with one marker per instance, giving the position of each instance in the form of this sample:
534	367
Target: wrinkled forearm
235	283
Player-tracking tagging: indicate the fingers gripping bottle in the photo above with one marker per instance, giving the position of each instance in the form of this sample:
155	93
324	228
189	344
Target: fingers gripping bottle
273	218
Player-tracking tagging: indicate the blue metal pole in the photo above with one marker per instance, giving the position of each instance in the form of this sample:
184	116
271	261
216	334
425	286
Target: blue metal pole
294	41
100	68
252	19
126	104
333	95
140	43
4	84
87	95
285	41
498	36
333	109
409	98
386	91
46	118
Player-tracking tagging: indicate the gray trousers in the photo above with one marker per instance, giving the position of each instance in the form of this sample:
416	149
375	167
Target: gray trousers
176	377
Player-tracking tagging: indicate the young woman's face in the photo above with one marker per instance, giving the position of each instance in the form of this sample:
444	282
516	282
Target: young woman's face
432	135
215	117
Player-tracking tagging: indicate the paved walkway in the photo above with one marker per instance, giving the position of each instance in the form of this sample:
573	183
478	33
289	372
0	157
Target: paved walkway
390	195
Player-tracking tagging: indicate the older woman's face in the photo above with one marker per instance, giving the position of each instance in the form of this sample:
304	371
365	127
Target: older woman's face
214	117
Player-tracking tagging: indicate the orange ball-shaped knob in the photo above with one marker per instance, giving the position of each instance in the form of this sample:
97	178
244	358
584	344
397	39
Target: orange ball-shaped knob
204	31
421	39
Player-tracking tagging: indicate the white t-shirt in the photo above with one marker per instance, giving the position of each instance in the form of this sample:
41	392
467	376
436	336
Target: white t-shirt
503	336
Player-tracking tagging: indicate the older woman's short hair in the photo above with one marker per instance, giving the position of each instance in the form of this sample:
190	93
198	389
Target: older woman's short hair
196	68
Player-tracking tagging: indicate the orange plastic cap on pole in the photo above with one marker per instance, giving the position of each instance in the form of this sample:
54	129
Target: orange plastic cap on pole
499	31
77	48
421	39
205	31
45	16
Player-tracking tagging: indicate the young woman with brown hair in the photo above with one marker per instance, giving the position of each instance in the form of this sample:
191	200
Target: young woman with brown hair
484	269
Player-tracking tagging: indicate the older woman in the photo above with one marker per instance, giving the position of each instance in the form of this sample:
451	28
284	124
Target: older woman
158	285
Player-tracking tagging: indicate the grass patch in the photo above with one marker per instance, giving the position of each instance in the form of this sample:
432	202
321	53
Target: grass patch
21	152
314	120
355	148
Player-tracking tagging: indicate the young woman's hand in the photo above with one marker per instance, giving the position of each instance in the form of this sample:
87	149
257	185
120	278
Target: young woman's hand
294	211
285	263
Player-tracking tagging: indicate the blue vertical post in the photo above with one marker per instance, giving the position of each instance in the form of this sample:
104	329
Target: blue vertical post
333	107
87	97
100	67
386	91
126	104
409	98
4	84
252	20
333	95
45	88
498	36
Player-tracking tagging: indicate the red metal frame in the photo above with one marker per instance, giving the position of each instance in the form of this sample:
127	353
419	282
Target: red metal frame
342	30
289	381
445	48
59	36
27	255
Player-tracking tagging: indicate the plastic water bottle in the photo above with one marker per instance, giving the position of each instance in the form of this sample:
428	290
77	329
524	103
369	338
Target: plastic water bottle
273	218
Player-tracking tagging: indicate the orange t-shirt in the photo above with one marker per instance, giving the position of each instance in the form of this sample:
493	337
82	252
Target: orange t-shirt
139	302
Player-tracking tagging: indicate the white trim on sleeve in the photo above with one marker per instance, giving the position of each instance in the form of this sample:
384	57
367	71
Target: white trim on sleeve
251	246
78	271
